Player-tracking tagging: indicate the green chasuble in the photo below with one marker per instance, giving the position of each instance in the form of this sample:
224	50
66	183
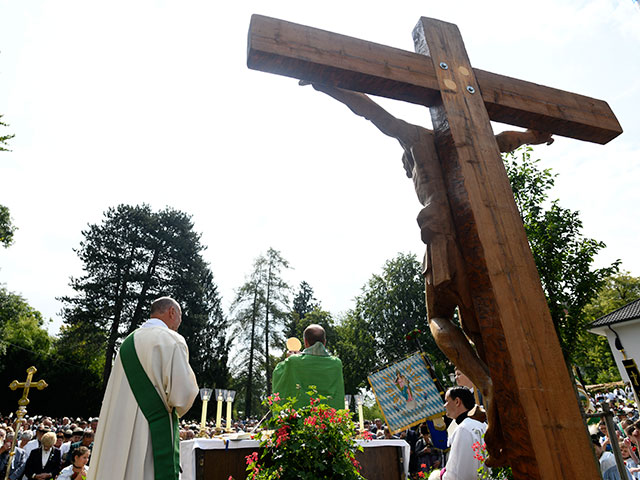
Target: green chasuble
314	366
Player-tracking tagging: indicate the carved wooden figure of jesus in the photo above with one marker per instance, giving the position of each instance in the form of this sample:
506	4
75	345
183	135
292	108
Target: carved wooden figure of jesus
446	283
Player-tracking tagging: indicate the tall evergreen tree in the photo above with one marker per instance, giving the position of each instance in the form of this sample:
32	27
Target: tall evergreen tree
246	311
276	304
132	257
259	311
7	229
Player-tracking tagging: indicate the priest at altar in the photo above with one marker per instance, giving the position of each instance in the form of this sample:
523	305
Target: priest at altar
151	385
313	366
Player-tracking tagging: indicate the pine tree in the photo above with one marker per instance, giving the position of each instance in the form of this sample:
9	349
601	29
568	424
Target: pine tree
259	311
133	256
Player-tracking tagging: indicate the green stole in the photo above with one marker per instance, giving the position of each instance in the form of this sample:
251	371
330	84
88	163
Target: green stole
166	450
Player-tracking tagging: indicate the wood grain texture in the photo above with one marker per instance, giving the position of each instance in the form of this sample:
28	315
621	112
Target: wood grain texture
378	463
546	437
319	56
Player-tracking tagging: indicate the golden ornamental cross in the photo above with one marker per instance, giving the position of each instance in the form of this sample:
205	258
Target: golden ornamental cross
26	385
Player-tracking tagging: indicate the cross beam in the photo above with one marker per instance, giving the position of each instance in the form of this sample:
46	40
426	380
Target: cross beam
319	56
26	385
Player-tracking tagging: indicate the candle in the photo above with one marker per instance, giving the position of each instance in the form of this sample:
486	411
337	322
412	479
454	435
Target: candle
203	420
219	412
229	400
361	417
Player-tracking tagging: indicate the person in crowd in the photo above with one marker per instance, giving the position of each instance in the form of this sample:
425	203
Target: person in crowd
93	424
77	435
426	453
608	466
43	462
314	366
59	439
78	469
630	458
24	438
152	367
377	425
66	444
19	458
462	464
35	443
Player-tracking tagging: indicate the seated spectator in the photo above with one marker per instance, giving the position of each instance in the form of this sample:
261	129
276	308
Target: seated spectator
426	453
66	445
44	459
630	459
608	466
18	461
78	468
24	438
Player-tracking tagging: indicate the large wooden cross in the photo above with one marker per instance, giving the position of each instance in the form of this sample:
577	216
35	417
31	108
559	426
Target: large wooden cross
540	416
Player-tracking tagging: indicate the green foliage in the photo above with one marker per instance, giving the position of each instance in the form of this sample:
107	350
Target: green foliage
7	229
563	256
371	412
594	356
356	347
4	138
314	442
392	304
23	343
133	256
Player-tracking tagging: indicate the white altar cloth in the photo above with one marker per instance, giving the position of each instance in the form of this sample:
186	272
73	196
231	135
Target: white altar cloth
188	447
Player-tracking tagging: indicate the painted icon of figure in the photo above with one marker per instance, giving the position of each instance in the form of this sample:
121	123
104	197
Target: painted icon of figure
403	384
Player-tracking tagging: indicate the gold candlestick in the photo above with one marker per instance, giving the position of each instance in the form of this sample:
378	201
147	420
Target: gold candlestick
231	394
359	402
205	395
220	397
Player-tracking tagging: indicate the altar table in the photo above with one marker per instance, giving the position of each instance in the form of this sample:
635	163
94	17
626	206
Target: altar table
217	459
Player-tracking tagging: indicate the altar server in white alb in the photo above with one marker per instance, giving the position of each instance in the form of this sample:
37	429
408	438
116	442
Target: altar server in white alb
462	464
150	386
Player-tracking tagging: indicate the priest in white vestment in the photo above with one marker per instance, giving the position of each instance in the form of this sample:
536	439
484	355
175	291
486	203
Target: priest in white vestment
122	448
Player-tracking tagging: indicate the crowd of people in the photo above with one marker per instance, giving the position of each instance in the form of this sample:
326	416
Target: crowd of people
61	448
48	448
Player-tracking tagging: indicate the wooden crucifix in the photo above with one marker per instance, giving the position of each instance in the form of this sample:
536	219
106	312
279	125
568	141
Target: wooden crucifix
489	271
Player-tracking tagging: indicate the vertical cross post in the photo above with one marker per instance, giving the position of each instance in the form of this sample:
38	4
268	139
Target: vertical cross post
540	419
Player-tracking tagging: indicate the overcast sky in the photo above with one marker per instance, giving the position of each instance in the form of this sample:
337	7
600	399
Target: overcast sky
151	101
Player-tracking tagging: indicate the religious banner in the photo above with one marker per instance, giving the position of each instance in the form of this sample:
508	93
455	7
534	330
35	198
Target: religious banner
634	376
406	393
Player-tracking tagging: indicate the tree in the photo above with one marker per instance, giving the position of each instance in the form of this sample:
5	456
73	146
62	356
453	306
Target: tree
593	355
391	306
356	347
133	256
563	256
259	311
23	343
303	304
6	227
276	300
4	138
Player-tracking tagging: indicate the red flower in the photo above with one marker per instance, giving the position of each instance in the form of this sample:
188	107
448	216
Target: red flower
252	458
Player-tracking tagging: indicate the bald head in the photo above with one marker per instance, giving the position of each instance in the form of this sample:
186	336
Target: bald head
167	310
312	334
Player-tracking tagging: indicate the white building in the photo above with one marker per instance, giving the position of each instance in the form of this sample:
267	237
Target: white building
622	325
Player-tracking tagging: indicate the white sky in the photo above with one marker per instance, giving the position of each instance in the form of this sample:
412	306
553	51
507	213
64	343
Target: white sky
151	101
